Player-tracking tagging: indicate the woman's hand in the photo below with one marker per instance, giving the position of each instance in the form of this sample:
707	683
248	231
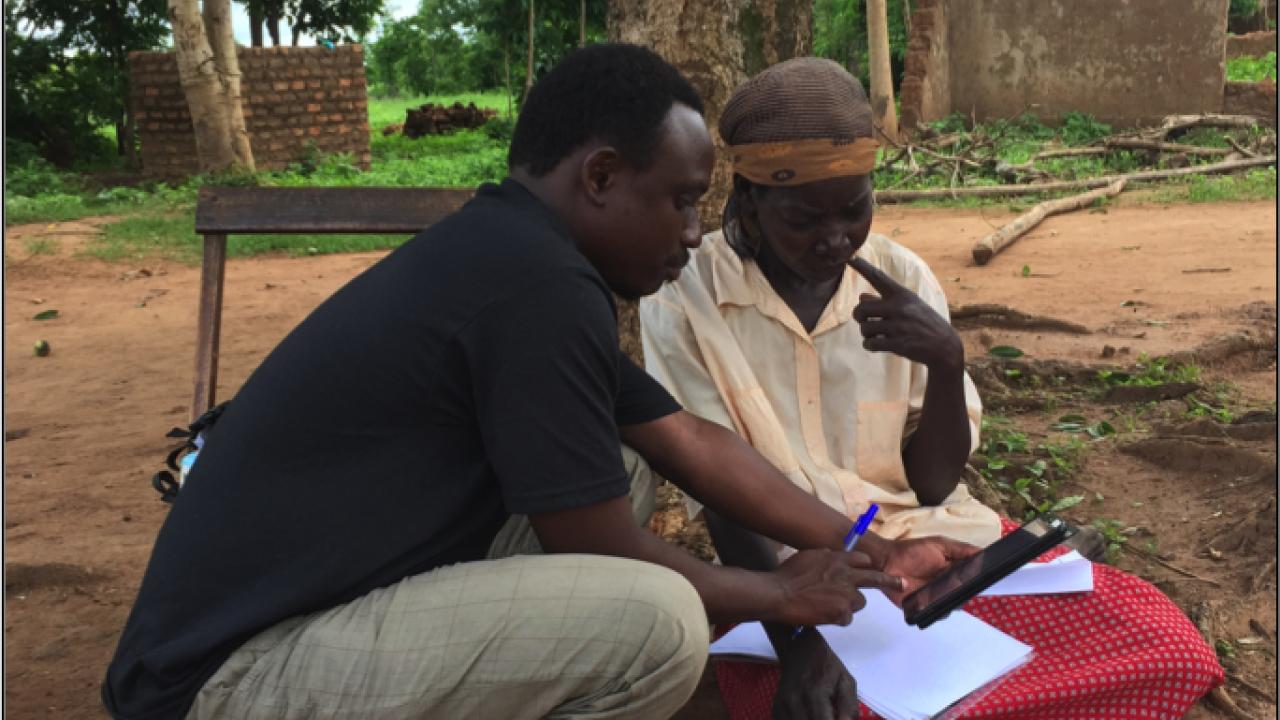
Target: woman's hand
901	323
918	560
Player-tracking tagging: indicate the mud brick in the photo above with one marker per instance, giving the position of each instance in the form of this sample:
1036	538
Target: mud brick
313	130
299	132
314	108
297	85
280	85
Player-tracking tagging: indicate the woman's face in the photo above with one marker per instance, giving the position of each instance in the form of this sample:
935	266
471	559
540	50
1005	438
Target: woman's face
814	229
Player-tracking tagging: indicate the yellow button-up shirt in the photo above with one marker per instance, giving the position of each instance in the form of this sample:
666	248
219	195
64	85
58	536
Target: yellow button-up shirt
832	416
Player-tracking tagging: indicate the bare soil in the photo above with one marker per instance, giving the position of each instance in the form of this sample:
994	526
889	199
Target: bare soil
1195	497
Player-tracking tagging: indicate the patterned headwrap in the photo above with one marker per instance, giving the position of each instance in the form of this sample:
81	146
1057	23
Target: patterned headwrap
797	122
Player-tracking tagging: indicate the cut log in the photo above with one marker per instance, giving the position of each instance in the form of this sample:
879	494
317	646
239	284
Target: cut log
896	196
989	246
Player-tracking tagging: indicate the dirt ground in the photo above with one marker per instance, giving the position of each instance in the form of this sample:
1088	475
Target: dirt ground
84	426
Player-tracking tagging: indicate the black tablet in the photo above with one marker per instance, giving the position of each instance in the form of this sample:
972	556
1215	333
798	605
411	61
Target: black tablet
955	586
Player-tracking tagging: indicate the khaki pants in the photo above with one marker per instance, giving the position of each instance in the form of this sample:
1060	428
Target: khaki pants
530	636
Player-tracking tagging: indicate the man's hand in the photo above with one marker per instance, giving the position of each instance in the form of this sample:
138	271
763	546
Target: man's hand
901	323
820	587
814	683
916	561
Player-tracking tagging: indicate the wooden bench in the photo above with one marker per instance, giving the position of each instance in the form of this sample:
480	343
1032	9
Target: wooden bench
223	211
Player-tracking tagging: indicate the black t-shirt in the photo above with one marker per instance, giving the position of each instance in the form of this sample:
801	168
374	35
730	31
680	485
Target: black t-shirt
472	373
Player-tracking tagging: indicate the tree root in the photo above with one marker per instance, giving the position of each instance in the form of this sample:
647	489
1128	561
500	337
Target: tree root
1003	316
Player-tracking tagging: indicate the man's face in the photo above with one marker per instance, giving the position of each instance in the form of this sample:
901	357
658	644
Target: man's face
651	219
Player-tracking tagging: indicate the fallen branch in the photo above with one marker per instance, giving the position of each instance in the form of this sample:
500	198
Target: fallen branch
1159	146
1003	316
1239	148
989	246
1186	573
896	196
1178	123
1257	691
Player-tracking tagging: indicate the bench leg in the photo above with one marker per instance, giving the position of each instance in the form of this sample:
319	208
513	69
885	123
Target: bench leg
209	323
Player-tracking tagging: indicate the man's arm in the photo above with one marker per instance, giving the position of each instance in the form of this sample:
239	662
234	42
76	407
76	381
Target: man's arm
727	475
813	587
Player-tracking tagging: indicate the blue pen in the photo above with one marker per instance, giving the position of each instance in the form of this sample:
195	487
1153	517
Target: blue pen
851	540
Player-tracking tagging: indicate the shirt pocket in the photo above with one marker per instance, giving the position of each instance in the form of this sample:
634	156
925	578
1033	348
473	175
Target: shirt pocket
880	427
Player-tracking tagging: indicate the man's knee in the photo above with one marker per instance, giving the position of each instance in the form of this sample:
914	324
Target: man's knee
679	638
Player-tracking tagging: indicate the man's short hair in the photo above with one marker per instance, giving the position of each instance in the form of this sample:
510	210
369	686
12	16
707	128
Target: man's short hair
617	93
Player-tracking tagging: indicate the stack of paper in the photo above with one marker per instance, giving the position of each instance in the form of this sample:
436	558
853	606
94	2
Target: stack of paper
1069	572
903	673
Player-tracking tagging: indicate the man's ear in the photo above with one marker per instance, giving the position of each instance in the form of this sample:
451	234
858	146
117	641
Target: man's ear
599	173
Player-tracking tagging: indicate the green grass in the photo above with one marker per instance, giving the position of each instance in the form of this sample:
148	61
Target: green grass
1252	69
171	236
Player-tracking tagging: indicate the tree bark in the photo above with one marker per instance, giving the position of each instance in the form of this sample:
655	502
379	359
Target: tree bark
217	22
582	23
205	99
884	114
528	68
717	45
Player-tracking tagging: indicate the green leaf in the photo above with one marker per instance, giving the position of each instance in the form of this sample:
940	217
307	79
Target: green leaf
46	315
1005	351
1013	373
1067	502
997	464
1100	430
1026	271
1072	419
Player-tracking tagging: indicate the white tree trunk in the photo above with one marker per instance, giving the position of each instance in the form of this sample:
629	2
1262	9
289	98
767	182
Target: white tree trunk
885	115
203	90
217	19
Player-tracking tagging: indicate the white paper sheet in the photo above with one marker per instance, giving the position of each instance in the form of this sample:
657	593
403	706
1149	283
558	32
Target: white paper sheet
903	672
1068	573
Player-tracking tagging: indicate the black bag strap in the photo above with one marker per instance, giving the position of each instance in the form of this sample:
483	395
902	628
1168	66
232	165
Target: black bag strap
164	481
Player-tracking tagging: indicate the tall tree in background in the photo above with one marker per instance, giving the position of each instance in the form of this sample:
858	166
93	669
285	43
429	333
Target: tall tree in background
884	112
208	101
528	73
717	44
67	68
335	20
217	24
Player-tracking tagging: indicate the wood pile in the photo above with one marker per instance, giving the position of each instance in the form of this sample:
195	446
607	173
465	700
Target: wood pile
432	119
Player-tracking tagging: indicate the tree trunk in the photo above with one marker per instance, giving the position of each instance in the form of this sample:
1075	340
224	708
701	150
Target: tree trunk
132	159
884	113
582	23
273	27
205	100
506	68
717	45
217	22
528	71
295	34
256	19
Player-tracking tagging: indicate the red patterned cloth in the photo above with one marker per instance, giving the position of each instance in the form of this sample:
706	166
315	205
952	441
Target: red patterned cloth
1122	651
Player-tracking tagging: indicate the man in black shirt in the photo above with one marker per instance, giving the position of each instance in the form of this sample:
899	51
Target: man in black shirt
327	554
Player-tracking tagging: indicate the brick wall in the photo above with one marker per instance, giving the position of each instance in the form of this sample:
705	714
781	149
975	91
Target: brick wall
293	96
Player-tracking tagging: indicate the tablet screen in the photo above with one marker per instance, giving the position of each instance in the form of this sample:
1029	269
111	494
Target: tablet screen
985	564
